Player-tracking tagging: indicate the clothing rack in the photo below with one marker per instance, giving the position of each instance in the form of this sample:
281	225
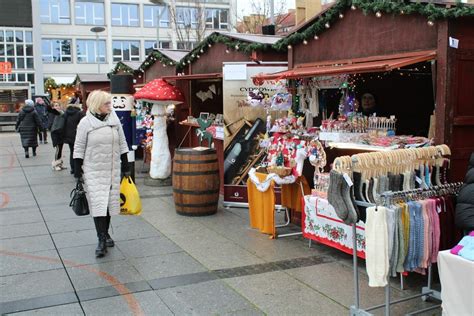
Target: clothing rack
426	292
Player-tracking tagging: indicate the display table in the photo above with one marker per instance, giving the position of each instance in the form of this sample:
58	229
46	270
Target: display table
320	223
457	284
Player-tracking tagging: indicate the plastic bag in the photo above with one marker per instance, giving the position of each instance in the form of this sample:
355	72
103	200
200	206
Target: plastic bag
130	203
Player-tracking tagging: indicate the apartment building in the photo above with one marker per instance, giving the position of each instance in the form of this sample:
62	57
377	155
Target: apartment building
131	30
19	43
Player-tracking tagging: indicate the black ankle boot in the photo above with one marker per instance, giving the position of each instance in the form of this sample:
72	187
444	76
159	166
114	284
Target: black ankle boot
101	249
109	242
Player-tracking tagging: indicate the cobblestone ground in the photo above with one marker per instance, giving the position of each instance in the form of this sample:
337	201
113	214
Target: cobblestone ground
163	263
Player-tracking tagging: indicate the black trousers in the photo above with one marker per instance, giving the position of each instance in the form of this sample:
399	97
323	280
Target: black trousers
43	135
71	160
59	152
27	148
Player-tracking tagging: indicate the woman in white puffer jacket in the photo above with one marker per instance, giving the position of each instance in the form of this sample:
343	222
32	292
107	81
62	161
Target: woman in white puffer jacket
100	155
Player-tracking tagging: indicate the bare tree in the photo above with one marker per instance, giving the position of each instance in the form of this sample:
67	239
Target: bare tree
260	16
188	22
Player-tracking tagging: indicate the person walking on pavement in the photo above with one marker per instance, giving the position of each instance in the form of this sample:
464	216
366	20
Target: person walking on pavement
40	108
72	116
100	156
27	124
57	134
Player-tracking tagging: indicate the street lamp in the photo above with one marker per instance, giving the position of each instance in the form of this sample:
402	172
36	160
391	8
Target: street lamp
159	15
97	30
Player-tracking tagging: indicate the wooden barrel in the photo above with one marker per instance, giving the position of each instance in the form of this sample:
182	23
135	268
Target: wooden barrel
195	181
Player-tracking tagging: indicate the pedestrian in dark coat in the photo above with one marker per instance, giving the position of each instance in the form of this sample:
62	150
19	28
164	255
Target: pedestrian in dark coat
57	134
71	119
465	202
27	124
40	108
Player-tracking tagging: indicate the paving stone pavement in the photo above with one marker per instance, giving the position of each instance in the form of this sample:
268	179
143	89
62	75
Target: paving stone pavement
163	263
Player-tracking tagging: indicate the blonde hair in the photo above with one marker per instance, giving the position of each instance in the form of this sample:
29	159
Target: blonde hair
96	99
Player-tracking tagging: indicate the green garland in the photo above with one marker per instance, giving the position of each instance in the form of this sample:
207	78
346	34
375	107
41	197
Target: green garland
336	12
121	67
154	57
231	43
50	84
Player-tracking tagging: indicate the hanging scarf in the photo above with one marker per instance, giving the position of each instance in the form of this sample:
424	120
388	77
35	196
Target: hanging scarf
265	184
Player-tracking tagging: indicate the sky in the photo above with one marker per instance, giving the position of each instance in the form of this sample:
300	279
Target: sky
244	7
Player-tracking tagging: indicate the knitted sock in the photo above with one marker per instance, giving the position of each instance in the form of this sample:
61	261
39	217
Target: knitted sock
376	246
335	194
348	198
357	185
366	190
391	182
370	191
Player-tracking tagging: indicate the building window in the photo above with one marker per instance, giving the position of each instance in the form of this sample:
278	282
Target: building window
89	52
151	14
16	47
126	50
56	50
217	19
151	45
124	14
89	13
55	11
187	17
186	45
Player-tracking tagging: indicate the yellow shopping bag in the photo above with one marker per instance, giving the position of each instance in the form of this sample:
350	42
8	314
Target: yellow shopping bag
130	203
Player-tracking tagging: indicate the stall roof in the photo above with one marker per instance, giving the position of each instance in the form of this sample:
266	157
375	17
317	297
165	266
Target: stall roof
215	75
174	54
351	66
91	78
255	38
433	10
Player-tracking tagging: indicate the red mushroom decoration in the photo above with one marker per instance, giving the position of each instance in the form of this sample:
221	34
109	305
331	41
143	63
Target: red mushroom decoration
159	91
161	94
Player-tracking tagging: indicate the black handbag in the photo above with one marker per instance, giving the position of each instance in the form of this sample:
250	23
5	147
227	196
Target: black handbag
78	200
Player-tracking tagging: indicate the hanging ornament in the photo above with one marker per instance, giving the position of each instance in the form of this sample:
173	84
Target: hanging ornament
353	7
209	45
227	51
198	56
305	42
164	65
327	25
430	23
378	14
402	11
316	37
341	15
171	63
201	51
192	55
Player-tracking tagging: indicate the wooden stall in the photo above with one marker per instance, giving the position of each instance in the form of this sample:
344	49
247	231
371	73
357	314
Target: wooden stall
200	79
342	39
86	83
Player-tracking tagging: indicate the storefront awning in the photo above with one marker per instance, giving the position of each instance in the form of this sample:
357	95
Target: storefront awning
214	75
351	66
